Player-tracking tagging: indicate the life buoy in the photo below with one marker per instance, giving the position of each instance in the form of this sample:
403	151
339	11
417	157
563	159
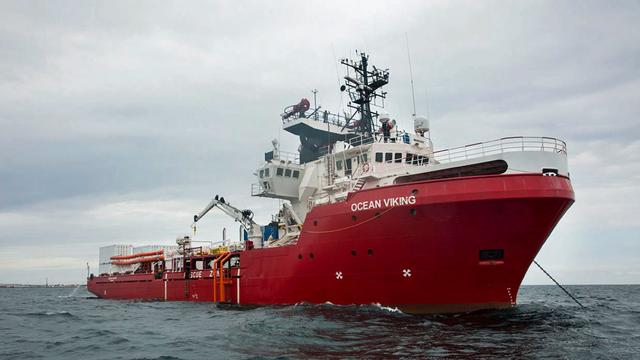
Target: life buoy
365	167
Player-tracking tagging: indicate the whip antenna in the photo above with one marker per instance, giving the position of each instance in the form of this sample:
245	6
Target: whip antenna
413	92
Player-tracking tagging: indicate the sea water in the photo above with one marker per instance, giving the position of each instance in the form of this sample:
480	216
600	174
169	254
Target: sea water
64	323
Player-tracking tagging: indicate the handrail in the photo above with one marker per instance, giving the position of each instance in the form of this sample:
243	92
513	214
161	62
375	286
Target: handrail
286	156
316	115
499	146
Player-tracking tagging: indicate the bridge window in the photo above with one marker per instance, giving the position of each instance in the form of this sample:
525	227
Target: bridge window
339	165
287	173
378	157
398	157
409	158
421	160
296	174
279	171
388	157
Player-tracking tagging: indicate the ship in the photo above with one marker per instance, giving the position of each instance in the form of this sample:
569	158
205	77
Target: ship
370	214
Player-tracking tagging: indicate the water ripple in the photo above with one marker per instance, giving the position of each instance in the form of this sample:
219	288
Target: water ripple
46	323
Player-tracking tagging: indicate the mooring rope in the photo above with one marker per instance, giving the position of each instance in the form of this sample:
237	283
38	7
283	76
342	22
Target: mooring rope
557	283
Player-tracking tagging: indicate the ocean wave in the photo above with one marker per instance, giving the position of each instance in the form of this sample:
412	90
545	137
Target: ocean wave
60	313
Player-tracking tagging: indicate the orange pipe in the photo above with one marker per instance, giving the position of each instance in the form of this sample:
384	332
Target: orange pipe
215	266
222	261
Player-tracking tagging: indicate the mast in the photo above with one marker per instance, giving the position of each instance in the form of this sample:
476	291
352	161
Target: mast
363	92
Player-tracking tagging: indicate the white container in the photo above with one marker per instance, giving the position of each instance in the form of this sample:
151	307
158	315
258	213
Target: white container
106	252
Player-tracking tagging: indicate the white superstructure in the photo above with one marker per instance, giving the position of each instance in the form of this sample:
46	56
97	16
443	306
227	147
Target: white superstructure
365	162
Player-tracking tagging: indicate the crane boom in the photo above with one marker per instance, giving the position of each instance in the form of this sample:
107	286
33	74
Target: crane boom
244	217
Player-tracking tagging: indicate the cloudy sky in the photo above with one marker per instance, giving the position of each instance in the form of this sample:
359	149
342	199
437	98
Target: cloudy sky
119	120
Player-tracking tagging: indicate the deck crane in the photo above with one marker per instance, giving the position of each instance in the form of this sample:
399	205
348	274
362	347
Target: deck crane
244	217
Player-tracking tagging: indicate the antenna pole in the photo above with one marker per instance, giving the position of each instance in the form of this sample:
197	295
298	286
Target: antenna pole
315	103
364	89
413	92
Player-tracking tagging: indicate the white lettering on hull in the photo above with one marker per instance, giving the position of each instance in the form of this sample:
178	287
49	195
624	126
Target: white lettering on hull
388	202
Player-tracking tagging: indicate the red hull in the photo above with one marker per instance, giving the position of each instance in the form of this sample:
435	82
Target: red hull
421	257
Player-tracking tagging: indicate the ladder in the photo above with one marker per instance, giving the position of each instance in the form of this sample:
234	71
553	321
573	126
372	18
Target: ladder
330	172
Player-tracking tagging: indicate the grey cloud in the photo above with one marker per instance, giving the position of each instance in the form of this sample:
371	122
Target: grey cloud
105	105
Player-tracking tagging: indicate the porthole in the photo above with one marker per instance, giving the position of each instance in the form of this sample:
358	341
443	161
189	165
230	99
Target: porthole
413	212
414	191
369	251
354	253
311	256
300	256
377	215
354	218
315	222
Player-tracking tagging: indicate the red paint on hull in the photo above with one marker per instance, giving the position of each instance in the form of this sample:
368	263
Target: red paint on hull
421	257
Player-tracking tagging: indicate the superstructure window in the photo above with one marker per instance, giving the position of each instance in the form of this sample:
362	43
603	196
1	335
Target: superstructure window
279	171
422	160
388	157
339	165
398	157
287	173
409	158
364	158
378	157
261	174
266	172
296	174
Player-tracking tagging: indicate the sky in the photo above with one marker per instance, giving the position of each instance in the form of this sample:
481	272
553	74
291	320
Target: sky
120	120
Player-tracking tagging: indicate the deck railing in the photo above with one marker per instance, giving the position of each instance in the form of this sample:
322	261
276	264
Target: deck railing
317	115
257	189
286	156
499	146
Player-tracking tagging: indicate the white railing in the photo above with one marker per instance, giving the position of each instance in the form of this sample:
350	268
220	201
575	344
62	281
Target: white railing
286	156
258	189
499	146
316	114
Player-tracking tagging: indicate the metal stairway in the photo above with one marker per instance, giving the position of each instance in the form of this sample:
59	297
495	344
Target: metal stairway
359	185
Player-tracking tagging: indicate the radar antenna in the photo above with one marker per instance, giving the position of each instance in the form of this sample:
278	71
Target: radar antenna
364	90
